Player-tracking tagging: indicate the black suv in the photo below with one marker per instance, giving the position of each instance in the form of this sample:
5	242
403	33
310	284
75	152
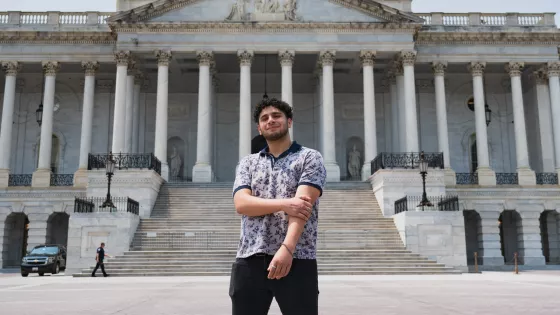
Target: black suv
44	259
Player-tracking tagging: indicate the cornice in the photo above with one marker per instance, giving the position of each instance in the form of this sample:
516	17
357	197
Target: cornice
94	38
265	27
378	10
460	38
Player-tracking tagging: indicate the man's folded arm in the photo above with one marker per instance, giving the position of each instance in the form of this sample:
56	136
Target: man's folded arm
297	225
249	205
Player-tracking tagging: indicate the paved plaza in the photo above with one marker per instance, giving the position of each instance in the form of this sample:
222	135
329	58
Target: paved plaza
493	293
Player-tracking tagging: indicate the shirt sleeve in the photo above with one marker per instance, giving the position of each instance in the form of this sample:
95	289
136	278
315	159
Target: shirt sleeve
242	175
314	173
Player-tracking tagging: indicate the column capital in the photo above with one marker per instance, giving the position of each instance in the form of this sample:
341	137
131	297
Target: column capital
245	57
287	57
396	67
11	67
163	56
122	57
327	58
367	57
205	58
50	68
477	68
90	67
408	58
138	78
439	68
514	68
553	69
541	76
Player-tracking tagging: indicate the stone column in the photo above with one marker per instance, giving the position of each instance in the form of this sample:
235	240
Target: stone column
408	60
554	87
486	176
138	79
525	174
319	78
286	61
370	129
37	234
202	170
128	122
327	59
11	69
90	68
545	120
213	111
119	118
245	61
530	250
441	113
395	145
489	238
42	176
161	111
399	78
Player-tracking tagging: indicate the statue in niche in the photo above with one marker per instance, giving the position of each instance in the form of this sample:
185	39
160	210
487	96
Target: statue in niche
175	163
354	162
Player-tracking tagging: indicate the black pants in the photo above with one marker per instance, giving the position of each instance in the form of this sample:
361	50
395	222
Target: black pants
251	291
99	264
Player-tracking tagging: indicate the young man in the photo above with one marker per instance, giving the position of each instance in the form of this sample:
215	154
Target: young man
99	257
276	191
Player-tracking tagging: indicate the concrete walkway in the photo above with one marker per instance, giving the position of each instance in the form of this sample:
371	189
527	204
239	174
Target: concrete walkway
488	293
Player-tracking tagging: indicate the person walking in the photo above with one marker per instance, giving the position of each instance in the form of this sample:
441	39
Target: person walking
277	192
99	257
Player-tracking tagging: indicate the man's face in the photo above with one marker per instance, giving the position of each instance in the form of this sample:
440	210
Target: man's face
273	124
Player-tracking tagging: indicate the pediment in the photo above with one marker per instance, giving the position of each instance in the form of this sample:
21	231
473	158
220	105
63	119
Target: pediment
328	11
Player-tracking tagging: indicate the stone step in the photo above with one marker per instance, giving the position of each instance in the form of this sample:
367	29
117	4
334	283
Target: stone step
230	258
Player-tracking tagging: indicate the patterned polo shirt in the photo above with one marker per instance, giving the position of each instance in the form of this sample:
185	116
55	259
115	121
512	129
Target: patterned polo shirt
278	178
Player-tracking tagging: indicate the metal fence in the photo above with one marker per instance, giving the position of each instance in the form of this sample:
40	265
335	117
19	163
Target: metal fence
405	160
95	204
439	203
20	180
125	161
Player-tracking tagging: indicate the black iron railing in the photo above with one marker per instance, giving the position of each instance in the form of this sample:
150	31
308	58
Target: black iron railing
466	178
20	180
95	204
405	160
62	179
439	203
126	161
547	178
507	179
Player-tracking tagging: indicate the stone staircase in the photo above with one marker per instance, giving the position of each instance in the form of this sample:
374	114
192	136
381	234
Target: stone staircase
194	231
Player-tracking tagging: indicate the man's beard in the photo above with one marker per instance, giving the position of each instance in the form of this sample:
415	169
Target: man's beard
274	136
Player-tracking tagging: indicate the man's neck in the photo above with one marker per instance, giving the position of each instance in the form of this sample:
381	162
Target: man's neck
279	146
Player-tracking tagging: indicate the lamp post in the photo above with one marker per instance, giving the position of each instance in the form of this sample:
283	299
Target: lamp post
110	168
488	113
423	171
39	114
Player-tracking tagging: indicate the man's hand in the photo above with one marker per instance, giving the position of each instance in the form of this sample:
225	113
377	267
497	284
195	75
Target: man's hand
299	207
281	264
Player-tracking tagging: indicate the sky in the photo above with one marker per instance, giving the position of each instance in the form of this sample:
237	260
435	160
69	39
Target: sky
449	6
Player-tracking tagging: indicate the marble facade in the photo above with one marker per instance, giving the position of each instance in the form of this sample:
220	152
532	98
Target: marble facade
179	79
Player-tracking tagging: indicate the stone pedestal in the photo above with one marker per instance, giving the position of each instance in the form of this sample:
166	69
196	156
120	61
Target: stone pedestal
81	178
526	177
333	172
486	176
450	177
165	171
202	173
366	171
4	178
41	178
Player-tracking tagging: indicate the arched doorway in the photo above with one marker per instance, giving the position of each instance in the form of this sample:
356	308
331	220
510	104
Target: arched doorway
16	229
510	228
57	228
472	234
550	237
257	144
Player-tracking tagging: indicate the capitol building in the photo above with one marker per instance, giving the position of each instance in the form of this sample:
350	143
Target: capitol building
165	89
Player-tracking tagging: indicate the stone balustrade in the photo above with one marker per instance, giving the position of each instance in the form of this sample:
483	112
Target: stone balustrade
54	18
488	19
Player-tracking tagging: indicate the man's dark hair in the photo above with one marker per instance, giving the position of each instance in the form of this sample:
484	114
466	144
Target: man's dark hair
278	104
102	244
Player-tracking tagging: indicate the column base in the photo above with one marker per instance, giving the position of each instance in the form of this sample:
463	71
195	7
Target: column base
449	177
202	173
366	172
333	172
81	178
4	178
493	261
165	171
526	177
41	178
486	176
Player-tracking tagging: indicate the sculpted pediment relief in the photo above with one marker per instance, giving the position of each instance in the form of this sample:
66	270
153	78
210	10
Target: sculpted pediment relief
263	10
